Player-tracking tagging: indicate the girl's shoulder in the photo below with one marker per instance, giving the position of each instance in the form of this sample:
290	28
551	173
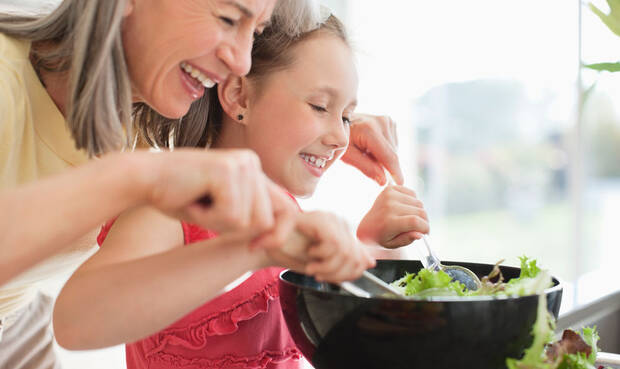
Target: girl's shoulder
141	232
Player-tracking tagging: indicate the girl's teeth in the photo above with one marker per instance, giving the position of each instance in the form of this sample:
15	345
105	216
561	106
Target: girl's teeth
196	74
313	160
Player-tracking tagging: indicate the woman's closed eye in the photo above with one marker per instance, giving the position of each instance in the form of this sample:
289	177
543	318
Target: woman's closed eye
228	21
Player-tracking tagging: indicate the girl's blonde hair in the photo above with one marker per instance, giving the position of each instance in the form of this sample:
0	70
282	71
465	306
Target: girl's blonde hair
273	51
83	38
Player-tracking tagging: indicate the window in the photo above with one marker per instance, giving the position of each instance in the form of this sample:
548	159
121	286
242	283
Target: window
486	95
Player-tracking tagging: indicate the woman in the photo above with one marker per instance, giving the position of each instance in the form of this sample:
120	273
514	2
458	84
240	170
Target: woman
77	84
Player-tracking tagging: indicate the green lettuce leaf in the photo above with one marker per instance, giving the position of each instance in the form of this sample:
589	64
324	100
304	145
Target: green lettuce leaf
529	269
429	283
591	337
542	330
575	361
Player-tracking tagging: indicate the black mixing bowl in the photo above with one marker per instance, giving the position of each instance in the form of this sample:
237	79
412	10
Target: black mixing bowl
338	331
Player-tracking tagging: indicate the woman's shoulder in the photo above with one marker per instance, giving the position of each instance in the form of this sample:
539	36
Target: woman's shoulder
13	49
13	59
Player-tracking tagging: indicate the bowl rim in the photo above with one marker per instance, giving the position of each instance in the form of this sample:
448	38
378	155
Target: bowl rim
556	288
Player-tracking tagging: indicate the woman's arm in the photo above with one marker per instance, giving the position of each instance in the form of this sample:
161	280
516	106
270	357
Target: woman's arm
39	219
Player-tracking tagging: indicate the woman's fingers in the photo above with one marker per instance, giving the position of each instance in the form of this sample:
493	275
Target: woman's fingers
242	198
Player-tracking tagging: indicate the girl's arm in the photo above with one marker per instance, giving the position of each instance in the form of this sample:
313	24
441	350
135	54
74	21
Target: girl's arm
39	219
143	279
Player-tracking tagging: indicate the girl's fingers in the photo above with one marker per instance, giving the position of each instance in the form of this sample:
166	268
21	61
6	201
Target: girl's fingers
365	163
400	210
394	132
347	271
327	266
403	239
404	190
412	223
322	251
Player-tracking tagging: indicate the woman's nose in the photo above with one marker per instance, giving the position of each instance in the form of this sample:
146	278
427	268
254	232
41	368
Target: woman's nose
238	55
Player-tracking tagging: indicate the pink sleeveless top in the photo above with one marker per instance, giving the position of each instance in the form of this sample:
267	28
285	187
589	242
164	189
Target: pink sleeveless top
242	328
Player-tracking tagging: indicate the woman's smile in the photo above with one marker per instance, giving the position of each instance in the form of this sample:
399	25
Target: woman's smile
196	80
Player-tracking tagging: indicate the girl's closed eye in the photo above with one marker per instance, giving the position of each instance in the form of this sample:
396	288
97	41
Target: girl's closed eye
318	108
346	120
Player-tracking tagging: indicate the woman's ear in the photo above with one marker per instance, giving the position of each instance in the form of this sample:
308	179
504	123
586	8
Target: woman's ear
129	5
233	95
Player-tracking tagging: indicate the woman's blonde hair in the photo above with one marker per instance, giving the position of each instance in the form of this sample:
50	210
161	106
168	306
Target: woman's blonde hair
85	40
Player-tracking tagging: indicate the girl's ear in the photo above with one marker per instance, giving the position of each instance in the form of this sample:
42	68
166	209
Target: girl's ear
233	95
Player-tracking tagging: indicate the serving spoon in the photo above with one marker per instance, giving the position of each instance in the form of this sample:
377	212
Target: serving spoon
429	260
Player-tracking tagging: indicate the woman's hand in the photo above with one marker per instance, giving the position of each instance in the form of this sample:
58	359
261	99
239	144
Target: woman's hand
242	198
396	219
372	147
323	246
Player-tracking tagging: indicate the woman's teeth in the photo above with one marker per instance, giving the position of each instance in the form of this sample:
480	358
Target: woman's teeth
197	75
313	160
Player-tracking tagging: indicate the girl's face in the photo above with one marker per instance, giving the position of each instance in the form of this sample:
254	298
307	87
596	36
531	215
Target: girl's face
176	48
298	120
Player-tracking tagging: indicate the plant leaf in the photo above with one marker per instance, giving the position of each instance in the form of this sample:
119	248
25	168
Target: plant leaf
609	67
611	20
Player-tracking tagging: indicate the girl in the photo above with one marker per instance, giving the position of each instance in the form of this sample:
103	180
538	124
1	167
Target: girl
294	111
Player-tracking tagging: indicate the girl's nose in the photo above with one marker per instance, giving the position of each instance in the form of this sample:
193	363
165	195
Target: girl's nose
338	135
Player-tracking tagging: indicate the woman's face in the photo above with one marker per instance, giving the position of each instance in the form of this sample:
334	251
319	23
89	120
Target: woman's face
298	122
177	48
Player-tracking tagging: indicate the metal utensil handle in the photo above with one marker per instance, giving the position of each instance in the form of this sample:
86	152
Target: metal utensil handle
378	287
427	255
354	290
607	359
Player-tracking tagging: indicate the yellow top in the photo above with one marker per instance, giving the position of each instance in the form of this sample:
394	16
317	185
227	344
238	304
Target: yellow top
34	143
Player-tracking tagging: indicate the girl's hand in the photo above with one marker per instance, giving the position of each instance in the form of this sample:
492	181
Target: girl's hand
335	255
396	219
242	198
323	246
372	147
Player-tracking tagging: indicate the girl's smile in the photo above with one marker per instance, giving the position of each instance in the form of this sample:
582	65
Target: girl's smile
296	115
316	164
